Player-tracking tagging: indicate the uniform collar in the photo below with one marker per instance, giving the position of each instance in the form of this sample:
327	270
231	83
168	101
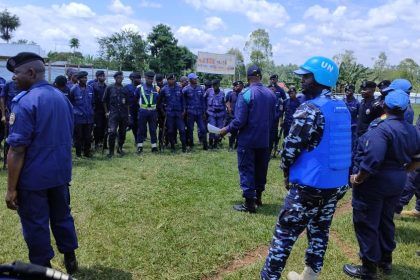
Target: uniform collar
394	117
38	84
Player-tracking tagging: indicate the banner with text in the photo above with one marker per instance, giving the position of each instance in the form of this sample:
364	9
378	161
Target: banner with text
216	63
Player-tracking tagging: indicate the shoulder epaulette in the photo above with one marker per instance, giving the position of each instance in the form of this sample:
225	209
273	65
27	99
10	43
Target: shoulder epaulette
19	96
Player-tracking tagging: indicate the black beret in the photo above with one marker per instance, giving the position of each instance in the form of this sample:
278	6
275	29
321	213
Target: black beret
170	76
135	75
81	74
348	87
215	82
159	77
150	74
22	58
368	84
207	83
118	73
60	80
292	88
99	73
275	76
384	84
236	83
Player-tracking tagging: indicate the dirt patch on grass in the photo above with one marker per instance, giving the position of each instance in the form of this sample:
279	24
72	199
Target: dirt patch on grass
261	252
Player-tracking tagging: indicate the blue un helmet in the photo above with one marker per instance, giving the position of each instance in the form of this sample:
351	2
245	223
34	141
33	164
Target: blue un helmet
324	69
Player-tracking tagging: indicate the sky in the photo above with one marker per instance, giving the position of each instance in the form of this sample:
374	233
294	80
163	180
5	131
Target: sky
298	29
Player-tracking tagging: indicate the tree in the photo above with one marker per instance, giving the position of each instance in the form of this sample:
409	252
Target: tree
165	54
240	65
8	24
125	49
74	44
351	72
380	66
259	48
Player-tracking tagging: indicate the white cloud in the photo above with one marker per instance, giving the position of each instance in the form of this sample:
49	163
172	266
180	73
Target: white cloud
214	23
130	27
149	4
73	10
118	7
194	37
257	11
323	14
297	29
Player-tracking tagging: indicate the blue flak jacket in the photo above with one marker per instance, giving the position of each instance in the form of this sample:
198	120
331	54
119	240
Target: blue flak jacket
43	122
327	166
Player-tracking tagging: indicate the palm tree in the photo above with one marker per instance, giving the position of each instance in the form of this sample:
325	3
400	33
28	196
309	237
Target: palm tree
74	44
8	24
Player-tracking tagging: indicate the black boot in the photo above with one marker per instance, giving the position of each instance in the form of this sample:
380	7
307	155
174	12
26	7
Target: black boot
386	263
184	148
248	206
154	150
205	147
366	271
111	152
258	201
70	262
211	144
120	150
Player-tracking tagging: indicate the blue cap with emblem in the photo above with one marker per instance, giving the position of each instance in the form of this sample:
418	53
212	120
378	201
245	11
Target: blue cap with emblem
192	76
20	59
253	70
397	99
401	84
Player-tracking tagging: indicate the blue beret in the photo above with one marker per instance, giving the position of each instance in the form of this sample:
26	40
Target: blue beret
99	73
401	84
81	74
397	99
253	70
22	58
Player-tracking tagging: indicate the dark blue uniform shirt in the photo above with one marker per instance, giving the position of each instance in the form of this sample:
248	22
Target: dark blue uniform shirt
254	116
172	99
116	97
82	100
290	107
231	97
194	99
42	121
8	92
98	95
353	106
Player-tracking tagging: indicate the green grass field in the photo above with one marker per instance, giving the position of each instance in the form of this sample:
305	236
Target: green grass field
170	217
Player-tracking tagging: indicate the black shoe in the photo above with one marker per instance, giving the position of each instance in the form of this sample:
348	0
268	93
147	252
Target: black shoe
139	150
249	206
120	150
360	271
258	200
205	147
386	263
184	149
70	262
154	150
109	155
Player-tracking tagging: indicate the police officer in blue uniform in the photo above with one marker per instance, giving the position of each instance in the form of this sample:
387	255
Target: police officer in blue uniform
367	112
170	101
81	97
71	77
40	162
274	79
147	96
231	98
115	103
216	110
195	110
135	78
315	160
254	118
99	119
405	86
279	113
382	155
353	105
60	83
290	106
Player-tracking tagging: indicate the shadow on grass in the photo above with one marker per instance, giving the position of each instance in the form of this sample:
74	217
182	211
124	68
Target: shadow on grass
268	209
403	272
408	235
101	272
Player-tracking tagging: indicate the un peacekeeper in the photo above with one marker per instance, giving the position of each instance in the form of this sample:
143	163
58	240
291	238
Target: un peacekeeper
147	95
81	97
116	107
216	110
194	109
135	78
405	86
231	98
99	118
315	160
60	83
172	106
254	117
274	79
382	157
353	105
367	112
40	162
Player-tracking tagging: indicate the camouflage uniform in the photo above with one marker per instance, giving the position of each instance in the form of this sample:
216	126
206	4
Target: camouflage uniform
305	207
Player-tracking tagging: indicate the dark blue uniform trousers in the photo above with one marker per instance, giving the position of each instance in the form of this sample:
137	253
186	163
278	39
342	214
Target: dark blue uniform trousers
412	187
147	117
304	208
274	133
252	166
195	118
37	211
174	121
132	122
374	203
217	121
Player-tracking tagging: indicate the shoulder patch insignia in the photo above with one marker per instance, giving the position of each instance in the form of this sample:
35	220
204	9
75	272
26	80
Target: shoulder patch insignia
12	118
367	111
383	117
